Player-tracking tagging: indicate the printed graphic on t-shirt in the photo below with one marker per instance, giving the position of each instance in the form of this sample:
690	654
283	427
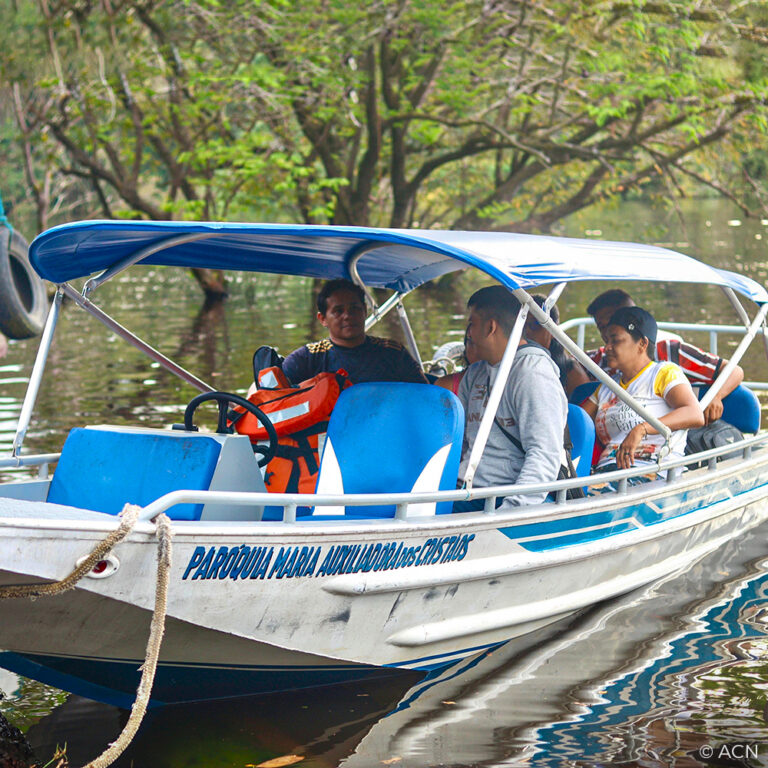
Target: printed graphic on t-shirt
614	419
643	452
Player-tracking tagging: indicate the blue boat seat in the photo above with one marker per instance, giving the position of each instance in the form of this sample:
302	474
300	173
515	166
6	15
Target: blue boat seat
391	437
582	392
741	408
103	469
582	431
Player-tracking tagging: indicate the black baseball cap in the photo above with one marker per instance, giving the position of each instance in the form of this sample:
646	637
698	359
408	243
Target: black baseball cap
636	319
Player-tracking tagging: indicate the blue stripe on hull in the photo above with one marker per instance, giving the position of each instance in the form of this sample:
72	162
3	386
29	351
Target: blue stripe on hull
115	682
593	526
441	660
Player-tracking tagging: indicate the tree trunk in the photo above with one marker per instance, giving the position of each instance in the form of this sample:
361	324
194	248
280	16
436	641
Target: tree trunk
212	282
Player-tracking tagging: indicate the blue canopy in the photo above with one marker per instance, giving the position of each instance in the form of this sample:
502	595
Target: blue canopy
399	259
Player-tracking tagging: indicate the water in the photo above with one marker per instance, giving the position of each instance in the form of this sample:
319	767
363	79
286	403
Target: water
674	674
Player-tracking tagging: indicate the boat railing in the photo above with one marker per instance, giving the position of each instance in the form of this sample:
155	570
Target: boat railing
40	460
291	502
714	330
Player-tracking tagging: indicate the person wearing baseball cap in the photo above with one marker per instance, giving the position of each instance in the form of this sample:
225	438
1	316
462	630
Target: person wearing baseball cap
640	324
701	368
661	387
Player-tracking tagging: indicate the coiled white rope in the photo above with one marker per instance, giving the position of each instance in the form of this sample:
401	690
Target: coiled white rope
163	532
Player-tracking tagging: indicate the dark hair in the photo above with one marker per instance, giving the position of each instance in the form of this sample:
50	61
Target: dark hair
337	285
639	324
613	298
554	312
495	302
556	351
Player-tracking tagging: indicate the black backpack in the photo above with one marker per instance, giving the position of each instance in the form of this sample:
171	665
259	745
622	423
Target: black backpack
265	357
714	435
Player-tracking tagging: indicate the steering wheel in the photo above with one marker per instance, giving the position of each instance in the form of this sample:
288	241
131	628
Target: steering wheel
223	399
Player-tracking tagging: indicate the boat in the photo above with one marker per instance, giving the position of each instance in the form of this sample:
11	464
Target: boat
608	668
373	574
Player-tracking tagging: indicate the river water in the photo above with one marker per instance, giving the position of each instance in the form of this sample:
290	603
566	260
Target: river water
673	674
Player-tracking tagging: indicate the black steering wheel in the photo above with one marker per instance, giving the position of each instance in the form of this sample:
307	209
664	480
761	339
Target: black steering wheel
223	399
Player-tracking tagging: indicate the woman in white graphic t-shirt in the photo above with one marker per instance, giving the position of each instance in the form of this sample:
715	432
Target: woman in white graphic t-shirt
662	388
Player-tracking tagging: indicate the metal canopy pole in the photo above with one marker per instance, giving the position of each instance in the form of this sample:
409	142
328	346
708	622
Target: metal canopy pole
379	312
554	295
131	338
737	305
736	357
37	373
395	300
742	313
547	322
354	275
489	414
408	331
128	261
765	337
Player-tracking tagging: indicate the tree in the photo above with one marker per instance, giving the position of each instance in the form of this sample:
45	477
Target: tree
452	113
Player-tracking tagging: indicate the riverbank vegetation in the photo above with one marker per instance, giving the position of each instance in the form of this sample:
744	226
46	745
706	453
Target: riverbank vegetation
407	113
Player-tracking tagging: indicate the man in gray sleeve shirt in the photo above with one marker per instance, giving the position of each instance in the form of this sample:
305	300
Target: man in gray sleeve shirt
526	440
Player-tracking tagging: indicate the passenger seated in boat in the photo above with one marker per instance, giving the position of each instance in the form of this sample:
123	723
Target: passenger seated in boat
699	366
661	387
341	309
572	373
526	439
451	381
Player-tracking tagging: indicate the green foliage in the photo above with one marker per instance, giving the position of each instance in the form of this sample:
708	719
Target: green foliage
458	113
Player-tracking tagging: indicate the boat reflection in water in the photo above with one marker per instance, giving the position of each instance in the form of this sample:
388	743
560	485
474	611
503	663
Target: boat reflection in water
9	683
651	678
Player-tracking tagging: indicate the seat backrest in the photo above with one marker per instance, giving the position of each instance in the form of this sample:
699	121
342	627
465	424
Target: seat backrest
392	437
582	392
741	408
582	431
103	469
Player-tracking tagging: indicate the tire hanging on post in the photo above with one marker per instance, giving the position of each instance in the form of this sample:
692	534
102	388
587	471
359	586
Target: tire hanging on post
23	299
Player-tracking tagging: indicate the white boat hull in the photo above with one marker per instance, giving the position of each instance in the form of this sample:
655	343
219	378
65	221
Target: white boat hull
257	607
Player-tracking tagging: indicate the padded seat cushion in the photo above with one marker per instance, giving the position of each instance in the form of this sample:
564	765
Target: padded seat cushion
392	437
102	470
582	431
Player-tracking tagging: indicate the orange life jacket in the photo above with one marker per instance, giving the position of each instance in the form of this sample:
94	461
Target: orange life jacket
300	417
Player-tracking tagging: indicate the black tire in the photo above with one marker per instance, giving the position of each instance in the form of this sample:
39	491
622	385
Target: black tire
23	299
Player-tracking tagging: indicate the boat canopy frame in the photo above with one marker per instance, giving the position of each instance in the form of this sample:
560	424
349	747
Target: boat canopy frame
351	259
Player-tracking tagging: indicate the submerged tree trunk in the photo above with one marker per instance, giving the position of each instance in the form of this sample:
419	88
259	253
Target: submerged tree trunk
212	282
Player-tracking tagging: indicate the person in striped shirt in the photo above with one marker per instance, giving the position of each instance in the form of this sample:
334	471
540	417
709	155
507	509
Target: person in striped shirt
700	367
